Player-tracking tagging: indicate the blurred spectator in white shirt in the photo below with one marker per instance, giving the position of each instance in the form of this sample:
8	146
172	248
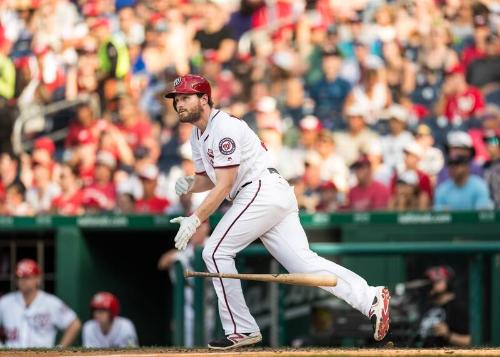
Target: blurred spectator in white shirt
432	160
398	138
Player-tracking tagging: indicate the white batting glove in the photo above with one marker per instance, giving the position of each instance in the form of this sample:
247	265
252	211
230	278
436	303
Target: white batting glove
183	185
186	230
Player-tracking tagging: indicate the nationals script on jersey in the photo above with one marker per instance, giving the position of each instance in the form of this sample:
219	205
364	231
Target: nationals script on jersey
122	334
36	325
228	142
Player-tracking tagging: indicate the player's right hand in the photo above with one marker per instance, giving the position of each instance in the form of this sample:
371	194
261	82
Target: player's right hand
183	185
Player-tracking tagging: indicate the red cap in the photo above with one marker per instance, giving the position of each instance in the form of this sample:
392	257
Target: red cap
27	268
104	300
45	143
360	162
90	9
190	84
101	21
439	273
456	69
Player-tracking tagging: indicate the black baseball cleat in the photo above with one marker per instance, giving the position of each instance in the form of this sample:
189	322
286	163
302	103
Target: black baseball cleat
379	313
235	340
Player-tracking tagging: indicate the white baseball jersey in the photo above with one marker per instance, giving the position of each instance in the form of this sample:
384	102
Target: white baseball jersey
35	325
122	334
228	142
266	209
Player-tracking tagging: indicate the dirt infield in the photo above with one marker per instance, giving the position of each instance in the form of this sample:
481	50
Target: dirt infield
263	352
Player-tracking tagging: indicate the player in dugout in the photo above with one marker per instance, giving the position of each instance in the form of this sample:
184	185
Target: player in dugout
31	317
231	162
106	328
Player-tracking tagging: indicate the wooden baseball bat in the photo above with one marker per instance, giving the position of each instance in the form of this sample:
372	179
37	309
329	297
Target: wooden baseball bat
294	279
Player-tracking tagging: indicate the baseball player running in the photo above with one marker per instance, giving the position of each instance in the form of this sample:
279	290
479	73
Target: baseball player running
31	317
231	162
107	329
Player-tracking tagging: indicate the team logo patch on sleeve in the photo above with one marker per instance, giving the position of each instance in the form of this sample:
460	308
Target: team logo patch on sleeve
227	146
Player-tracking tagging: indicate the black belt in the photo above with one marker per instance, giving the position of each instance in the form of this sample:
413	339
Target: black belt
271	170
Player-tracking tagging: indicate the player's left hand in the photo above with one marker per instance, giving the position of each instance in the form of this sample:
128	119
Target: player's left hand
186	230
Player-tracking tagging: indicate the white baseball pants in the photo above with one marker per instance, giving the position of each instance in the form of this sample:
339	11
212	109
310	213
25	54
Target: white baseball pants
267	209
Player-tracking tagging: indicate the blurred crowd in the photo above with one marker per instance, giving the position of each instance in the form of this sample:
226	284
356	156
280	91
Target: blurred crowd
363	105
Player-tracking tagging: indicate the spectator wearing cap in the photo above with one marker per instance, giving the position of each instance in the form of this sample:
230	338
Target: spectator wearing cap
459	143
100	195
15	200
333	167
310	126
462	191
432	160
381	172
81	78
357	138
459	101
398	137
288	161
70	201
151	202
136	128
267	113
215	34
412	156
330	93
85	128
407	195
43	152
43	190
444	317
30	317
492	166
313	193
367	194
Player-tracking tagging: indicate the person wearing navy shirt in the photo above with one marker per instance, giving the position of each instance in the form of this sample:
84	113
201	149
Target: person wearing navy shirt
330	92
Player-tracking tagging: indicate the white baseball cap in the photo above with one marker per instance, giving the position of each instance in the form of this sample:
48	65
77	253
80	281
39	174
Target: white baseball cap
106	158
397	112
408	177
459	139
413	148
149	172
266	104
356	111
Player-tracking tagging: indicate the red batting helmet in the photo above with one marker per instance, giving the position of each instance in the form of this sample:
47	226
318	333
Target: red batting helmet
190	84
27	268
105	301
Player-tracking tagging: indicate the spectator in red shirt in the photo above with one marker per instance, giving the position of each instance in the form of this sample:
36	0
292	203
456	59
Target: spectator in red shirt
150	202
43	151
70	201
135	127
100	195
368	194
481	33
412	155
85	129
459	101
